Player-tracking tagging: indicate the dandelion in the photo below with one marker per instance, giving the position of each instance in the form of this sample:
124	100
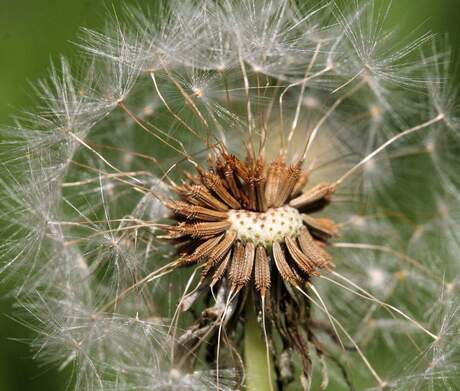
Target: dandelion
240	194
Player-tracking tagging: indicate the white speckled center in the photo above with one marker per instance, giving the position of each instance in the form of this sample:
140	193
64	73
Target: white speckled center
267	227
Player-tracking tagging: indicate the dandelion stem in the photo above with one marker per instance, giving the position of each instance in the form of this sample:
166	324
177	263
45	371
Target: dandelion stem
257	368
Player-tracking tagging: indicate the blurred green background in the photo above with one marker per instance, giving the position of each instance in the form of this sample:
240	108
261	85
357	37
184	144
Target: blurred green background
33	32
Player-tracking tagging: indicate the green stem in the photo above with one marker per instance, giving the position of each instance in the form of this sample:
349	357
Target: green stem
255	357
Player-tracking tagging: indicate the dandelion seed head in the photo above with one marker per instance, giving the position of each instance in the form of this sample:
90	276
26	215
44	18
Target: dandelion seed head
209	159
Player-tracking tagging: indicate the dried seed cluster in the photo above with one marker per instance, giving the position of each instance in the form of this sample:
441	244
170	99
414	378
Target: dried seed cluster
237	219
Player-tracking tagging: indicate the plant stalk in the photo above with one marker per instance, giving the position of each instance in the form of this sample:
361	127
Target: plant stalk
255	357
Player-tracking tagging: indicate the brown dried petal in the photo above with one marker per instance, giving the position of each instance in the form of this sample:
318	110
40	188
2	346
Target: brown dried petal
202	251
231	180
237	260
252	194
214	183
260	182
301	259
317	193
242	170
199	194
198	230
325	228
195	212
286	272
219	273
242	265
275	175
302	181
288	183
262	270
315	253
223	247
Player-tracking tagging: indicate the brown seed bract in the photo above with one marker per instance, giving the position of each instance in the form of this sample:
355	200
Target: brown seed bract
230	184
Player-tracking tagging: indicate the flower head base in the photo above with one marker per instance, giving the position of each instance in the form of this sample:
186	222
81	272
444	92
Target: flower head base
241	217
264	228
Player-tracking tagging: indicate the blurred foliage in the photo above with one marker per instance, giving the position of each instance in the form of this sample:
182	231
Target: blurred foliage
33	32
